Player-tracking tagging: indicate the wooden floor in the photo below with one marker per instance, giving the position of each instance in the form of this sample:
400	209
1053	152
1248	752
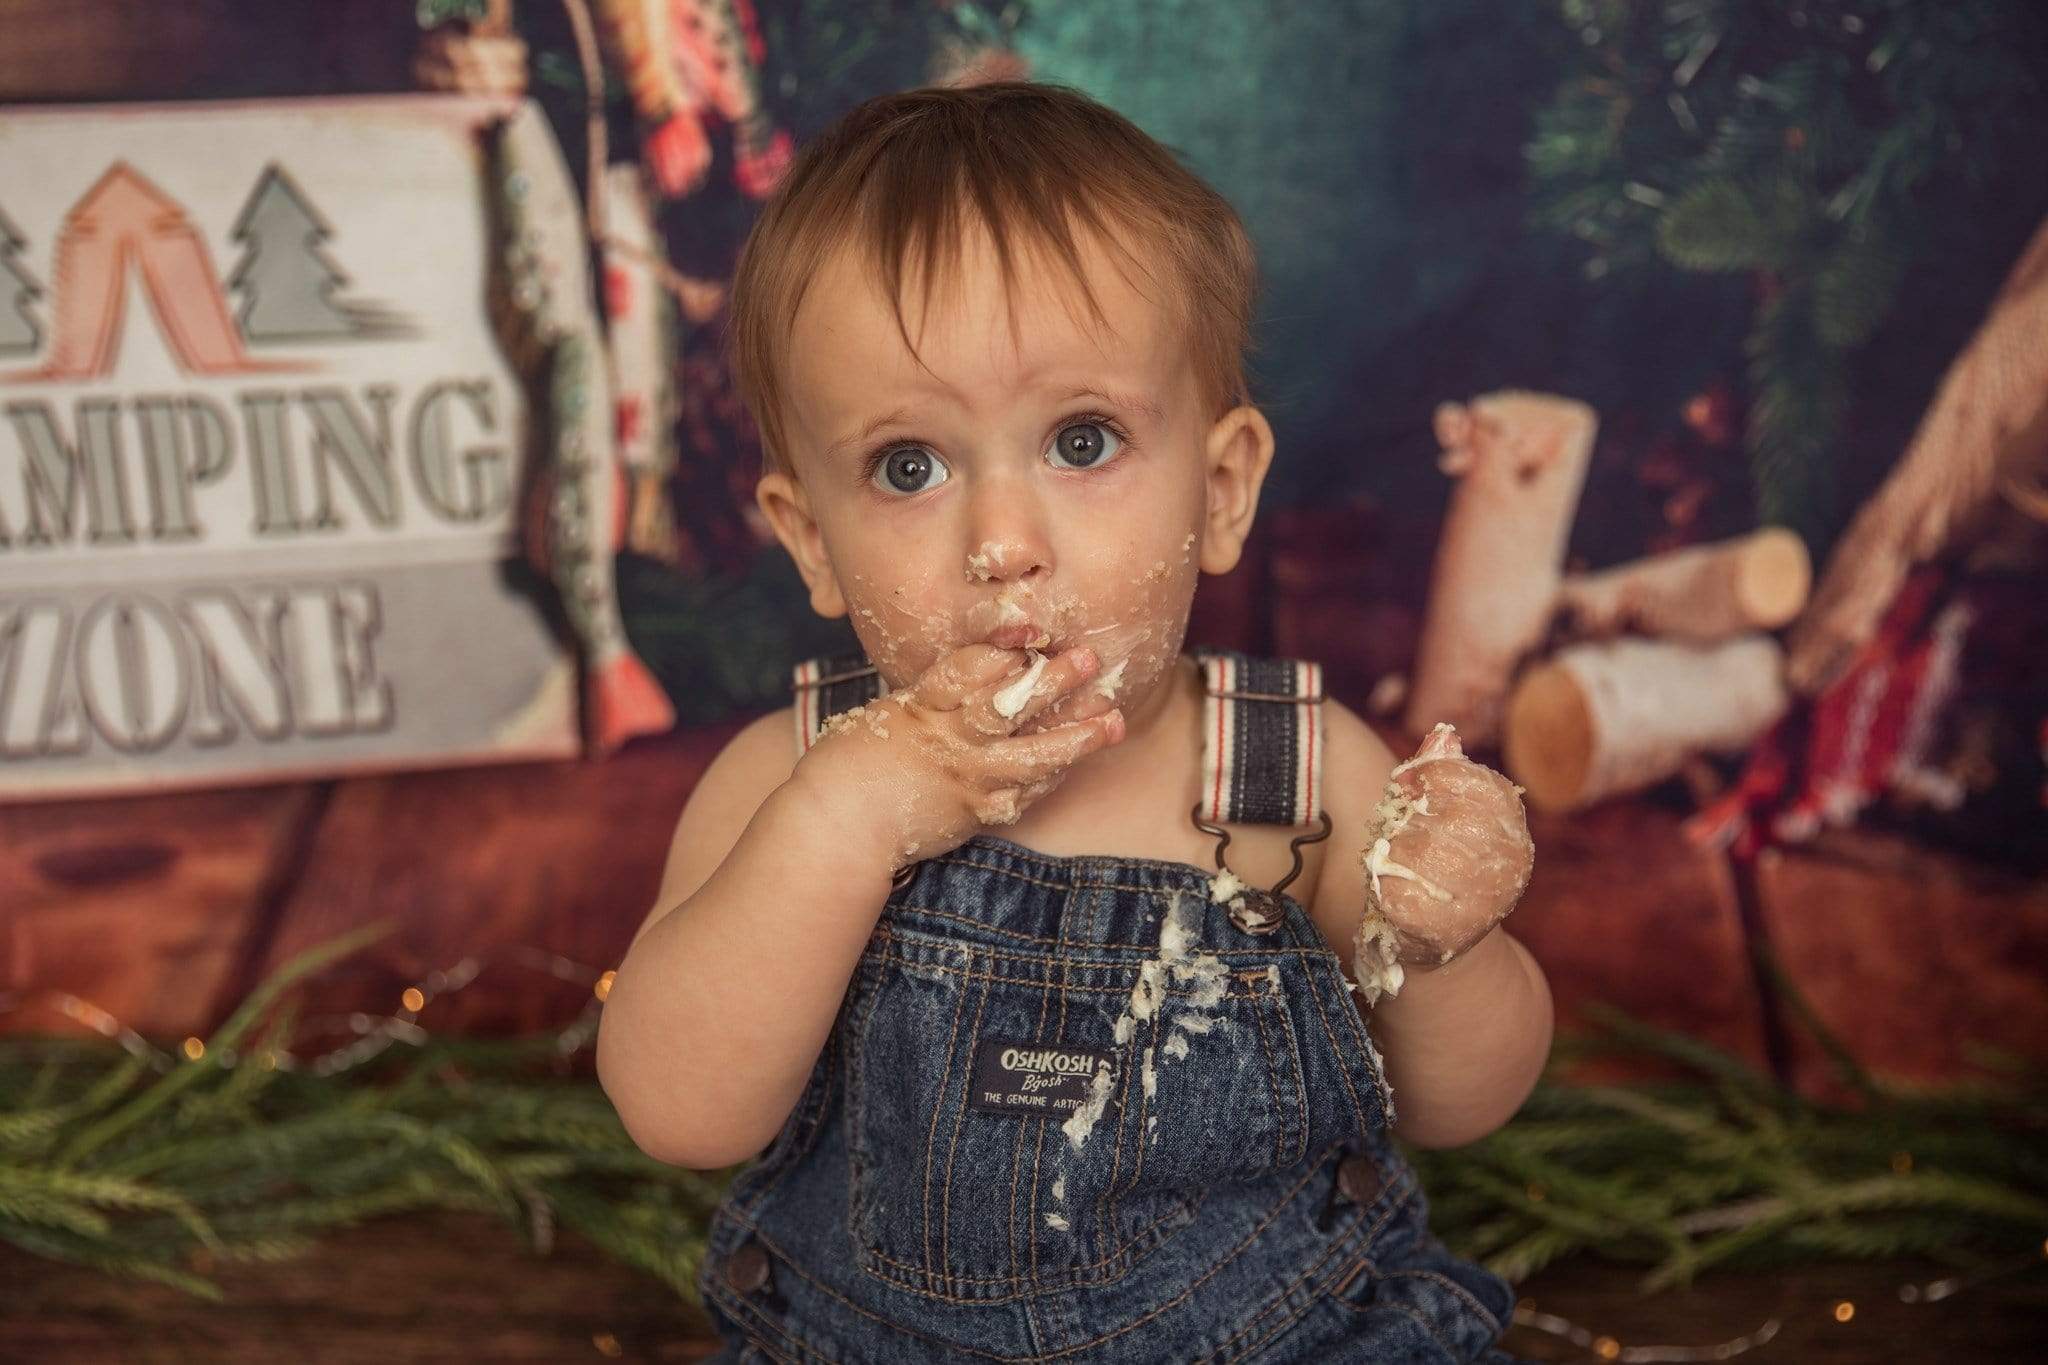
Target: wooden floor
444	1289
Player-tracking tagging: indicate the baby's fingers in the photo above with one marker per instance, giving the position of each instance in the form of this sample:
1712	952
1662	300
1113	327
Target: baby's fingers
1008	705
1023	759
949	683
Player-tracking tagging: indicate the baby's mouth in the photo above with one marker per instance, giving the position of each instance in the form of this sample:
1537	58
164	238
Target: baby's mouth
1007	623
1021	635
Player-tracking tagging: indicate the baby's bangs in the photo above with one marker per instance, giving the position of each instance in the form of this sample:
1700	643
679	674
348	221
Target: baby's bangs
922	238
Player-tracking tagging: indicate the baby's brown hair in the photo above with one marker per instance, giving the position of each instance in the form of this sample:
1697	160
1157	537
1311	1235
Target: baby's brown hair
903	175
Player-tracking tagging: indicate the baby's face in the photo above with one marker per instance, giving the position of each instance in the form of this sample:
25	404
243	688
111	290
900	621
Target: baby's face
1043	488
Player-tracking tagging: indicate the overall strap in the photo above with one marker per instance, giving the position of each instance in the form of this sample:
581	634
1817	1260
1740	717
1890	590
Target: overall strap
1262	740
1262	730
825	686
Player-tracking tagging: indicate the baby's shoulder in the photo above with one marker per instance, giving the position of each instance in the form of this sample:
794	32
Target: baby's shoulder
760	755
753	763
1356	763
1353	753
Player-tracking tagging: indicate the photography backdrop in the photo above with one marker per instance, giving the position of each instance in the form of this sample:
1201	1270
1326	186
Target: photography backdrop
1765	268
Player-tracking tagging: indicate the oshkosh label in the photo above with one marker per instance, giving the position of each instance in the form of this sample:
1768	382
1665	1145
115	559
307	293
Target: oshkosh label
1013	1077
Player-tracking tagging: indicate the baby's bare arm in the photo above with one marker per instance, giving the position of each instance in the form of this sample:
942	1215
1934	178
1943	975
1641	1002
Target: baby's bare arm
725	998
1464	1041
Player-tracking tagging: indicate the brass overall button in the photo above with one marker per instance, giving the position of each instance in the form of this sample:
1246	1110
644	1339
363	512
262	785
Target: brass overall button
1359	1179
746	1270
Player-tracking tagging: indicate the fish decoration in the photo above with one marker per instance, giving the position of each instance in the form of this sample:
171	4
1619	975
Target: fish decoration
545	315
642	322
688	62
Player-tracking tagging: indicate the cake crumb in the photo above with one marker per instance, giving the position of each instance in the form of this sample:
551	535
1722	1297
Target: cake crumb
1082	1123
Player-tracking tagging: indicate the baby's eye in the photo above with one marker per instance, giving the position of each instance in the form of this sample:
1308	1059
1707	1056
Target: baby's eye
909	469
1084	445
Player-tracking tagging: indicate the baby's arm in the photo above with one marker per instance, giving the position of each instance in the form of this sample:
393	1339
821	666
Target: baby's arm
1463	1041
776	878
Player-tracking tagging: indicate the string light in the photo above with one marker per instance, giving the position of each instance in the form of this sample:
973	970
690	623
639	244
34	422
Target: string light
1610	1348
1934	1291
374	1033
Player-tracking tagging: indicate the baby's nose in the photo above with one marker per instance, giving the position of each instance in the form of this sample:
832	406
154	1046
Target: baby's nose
1006	560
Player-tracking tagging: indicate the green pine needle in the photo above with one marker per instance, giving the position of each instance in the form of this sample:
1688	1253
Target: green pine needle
105	1164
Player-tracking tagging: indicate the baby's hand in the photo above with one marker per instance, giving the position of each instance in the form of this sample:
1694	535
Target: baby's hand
1449	858
918	772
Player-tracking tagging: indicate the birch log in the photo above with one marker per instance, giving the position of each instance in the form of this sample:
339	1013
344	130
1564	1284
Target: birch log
1701	593
1604	718
1521	462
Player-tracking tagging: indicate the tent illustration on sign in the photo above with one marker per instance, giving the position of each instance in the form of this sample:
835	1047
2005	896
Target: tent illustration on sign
125	222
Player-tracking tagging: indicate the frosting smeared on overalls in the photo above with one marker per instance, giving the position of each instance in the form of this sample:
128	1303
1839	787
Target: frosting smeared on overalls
1071	1110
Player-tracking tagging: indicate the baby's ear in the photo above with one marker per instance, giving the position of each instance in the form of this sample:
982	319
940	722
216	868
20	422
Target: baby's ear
1239	450
783	501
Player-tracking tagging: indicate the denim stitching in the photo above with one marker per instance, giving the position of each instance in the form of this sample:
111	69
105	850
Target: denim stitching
856	1092
919	1275
1118	992
1017	1157
953	1148
1271	1214
1360	1235
902	939
1273	1083
1366	1050
1116	1154
746	1314
986	927
931	1137
1238	1250
1343	1071
872	1316
1455	1289
1446	1347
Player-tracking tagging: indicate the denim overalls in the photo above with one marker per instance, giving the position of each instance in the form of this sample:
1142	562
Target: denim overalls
1071	1110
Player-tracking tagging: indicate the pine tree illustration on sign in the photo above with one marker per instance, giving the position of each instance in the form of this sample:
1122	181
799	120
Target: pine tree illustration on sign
19	331
286	282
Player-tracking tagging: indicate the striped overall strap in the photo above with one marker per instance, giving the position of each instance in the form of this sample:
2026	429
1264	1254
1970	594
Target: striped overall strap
824	687
1262	740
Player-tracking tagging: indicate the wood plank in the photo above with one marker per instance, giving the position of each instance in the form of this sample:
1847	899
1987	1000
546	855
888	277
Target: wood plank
457	1287
1911	955
1622	910
143	905
563	857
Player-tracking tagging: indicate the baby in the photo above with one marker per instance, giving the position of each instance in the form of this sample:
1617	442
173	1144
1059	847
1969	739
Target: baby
1067	1092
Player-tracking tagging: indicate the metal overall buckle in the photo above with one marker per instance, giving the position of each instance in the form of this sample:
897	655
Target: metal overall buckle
1252	910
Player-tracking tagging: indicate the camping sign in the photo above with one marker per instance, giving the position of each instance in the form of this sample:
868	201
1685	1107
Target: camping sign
261	451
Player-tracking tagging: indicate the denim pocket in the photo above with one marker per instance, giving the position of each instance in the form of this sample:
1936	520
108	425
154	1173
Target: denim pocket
1411	1298
963	1202
1216	1095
